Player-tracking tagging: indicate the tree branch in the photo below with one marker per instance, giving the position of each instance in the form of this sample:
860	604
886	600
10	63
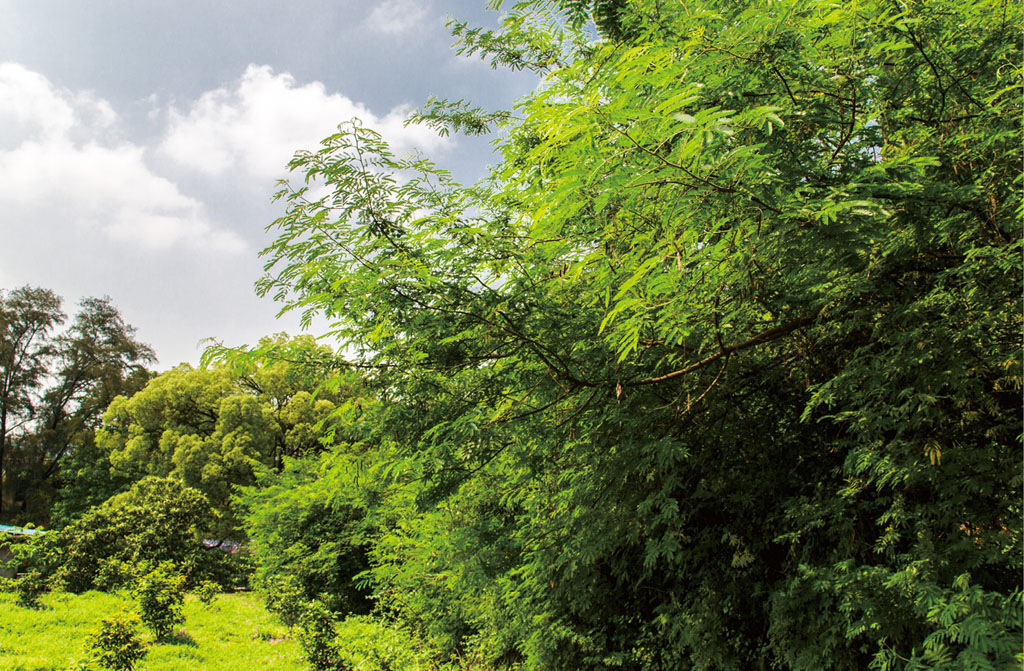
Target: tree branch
765	336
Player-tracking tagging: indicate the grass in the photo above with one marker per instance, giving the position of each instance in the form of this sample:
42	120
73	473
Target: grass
234	632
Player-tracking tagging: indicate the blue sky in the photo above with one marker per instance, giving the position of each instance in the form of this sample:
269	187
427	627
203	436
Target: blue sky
140	141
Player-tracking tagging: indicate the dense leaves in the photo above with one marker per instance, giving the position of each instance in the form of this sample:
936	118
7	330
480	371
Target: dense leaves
214	428
721	369
156	521
115	644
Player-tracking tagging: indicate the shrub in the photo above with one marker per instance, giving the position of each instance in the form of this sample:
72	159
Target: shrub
205	591
29	587
116	644
112	574
303	533
158	520
160	594
285	597
319	640
375	644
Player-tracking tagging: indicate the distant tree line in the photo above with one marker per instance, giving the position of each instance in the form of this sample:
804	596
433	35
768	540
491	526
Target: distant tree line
55	385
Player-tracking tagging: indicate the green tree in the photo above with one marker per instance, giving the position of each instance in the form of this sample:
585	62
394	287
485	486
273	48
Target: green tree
55	388
214	428
97	359
721	368
27	317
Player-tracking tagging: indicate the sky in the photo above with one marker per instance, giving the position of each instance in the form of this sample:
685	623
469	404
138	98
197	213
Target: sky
140	141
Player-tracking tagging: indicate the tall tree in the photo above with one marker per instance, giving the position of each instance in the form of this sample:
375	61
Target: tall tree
56	385
721	368
214	428
97	359
28	316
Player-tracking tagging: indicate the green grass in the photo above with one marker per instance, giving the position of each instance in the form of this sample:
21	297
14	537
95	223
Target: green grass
234	632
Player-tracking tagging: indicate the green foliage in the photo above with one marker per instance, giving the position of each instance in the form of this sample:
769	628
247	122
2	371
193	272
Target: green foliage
116	644
28	315
319	640
160	593
29	587
286	598
206	591
373	644
54	390
213	429
306	538
156	521
720	369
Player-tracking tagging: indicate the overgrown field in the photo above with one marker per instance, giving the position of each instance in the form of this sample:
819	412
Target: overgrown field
234	632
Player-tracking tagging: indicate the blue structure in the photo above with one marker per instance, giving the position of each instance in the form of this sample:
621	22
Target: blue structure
19	531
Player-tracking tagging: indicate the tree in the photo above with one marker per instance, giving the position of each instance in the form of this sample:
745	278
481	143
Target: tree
55	387
27	317
95	360
721	368
214	428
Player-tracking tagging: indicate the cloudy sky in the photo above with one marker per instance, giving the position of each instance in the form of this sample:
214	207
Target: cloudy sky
140	140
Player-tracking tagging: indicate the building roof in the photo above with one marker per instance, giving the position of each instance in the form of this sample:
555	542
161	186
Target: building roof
19	531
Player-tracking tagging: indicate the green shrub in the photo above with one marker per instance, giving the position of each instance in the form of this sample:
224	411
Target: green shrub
116	644
112	574
158	520
29	587
319	640
375	644
160	594
206	591
301	532
285	597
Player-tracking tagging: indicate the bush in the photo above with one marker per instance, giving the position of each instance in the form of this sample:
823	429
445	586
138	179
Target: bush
375	644
286	598
158	520
29	587
160	594
116	644
319	640
206	591
303	533
113	574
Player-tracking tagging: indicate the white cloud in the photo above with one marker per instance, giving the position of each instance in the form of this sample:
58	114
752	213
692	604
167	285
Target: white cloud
29	106
61	163
396	17
255	126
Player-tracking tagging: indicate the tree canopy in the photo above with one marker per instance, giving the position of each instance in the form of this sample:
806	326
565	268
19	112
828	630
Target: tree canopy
214	428
55	386
721	367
